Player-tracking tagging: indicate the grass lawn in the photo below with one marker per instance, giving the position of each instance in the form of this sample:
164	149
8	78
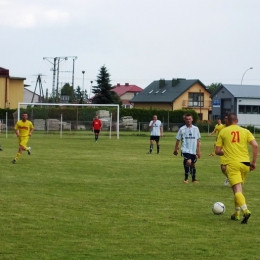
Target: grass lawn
73	198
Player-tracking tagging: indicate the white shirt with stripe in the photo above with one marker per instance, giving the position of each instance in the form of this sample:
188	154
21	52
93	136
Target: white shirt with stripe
155	131
188	137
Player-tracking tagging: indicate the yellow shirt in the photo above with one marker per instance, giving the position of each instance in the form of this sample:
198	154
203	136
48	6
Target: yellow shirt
218	128
24	127
234	139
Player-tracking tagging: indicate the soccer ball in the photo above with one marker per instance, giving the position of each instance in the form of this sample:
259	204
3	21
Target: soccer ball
218	208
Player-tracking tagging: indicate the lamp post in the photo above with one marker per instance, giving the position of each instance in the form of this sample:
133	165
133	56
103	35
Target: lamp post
83	72
90	88
245	73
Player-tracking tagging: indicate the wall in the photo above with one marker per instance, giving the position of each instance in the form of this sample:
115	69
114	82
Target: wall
2	92
15	93
28	96
218	101
248	119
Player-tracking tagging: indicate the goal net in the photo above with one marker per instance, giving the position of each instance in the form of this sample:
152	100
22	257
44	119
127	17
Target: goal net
58	117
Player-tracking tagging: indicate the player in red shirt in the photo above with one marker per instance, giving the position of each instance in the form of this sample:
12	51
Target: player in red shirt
96	126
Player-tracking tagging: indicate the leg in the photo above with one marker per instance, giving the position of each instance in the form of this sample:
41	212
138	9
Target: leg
151	146
193	172
158	147
223	169
237	175
187	164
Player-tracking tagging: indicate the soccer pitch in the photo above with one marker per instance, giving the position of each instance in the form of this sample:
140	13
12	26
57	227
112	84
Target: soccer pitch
73	198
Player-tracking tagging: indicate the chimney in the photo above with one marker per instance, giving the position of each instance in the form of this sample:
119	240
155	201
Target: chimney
175	82
162	83
118	84
126	84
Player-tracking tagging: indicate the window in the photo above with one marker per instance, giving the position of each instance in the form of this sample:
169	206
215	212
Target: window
243	109
151	91
196	99
163	91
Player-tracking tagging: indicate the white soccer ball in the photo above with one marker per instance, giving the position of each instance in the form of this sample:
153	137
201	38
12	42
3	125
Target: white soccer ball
218	208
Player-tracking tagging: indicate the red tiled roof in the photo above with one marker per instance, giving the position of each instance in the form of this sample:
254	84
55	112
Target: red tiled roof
122	89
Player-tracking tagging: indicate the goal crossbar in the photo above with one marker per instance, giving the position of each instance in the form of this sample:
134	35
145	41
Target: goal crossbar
73	105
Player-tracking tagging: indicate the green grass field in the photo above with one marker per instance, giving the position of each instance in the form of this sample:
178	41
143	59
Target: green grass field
73	198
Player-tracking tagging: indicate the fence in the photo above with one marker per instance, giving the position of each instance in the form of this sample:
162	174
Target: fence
56	125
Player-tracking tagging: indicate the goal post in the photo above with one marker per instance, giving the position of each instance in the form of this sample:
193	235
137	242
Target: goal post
24	105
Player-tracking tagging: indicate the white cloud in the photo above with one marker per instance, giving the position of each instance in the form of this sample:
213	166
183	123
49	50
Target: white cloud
16	14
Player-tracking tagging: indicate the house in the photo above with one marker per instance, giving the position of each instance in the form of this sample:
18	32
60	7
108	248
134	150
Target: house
11	90
126	93
31	97
175	94
244	100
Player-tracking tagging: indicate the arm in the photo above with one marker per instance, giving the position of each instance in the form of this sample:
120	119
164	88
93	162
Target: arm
254	145
31	131
161	131
212	132
17	132
198	152
219	151
176	148
151	124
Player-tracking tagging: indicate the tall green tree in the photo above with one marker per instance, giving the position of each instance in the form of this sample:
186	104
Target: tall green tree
103	93
213	86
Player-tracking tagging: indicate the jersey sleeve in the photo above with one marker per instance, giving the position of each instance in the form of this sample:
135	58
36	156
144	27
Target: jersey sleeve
178	136
219	140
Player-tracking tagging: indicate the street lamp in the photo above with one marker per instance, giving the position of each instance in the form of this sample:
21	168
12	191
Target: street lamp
90	87
83	72
245	73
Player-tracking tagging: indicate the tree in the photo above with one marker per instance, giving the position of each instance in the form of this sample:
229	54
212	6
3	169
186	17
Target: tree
103	93
78	95
67	90
213	86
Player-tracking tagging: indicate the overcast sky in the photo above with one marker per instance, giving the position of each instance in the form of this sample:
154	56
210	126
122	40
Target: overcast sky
139	41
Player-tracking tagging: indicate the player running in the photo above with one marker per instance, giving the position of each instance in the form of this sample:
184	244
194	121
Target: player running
23	130
232	146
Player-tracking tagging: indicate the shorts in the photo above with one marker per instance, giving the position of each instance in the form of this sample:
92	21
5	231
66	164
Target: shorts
23	140
237	172
155	138
188	156
96	131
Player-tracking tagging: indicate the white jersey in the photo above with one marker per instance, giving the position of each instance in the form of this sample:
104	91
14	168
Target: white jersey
155	131
188	137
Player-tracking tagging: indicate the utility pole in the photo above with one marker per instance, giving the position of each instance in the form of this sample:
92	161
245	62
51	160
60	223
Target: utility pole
73	69
39	81
56	62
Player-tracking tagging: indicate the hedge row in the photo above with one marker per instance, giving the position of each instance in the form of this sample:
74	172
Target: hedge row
88	113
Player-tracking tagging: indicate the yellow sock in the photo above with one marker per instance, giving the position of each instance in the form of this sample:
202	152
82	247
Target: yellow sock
240	201
17	156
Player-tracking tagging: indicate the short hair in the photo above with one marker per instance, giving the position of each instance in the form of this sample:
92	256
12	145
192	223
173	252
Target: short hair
232	118
188	114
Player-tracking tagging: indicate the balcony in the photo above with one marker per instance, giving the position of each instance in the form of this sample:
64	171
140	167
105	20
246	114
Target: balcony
196	104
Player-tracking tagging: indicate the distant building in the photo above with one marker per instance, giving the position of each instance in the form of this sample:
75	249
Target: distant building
177	93
11	90
244	100
28	96
126	93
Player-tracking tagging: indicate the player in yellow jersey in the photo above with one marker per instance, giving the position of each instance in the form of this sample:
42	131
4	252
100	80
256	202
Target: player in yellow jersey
232	146
23	130
218	127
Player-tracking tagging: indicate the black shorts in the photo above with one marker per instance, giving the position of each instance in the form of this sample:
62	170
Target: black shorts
96	131
188	156
155	138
